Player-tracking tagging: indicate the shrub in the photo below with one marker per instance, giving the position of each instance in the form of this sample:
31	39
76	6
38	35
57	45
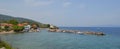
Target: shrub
17	28
4	44
14	22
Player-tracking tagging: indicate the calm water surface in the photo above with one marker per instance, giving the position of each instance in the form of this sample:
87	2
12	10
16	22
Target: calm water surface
50	40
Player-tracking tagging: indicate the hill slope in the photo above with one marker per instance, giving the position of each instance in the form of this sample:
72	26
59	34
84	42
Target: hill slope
7	17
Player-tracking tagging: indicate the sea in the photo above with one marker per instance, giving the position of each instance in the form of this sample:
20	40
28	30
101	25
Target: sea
59	40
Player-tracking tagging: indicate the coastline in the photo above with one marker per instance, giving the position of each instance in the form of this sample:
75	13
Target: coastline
11	32
77	32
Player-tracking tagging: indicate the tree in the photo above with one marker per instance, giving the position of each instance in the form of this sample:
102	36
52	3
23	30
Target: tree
47	25
18	28
44	25
7	28
14	22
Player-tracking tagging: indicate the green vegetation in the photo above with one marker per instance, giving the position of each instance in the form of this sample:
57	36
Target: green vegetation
18	28
4	18
44	25
14	22
6	28
0	29
4	44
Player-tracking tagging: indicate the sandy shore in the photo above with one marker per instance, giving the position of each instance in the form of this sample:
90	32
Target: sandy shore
7	32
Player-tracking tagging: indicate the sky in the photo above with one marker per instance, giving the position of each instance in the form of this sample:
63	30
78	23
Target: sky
77	13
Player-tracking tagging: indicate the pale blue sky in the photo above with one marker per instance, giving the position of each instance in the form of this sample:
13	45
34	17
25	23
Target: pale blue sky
65	12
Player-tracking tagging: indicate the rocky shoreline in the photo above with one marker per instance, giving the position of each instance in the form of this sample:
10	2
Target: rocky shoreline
76	32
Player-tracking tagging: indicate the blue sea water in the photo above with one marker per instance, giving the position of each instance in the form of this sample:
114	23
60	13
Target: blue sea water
52	40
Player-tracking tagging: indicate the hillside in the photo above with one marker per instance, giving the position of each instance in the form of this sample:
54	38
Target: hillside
7	17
